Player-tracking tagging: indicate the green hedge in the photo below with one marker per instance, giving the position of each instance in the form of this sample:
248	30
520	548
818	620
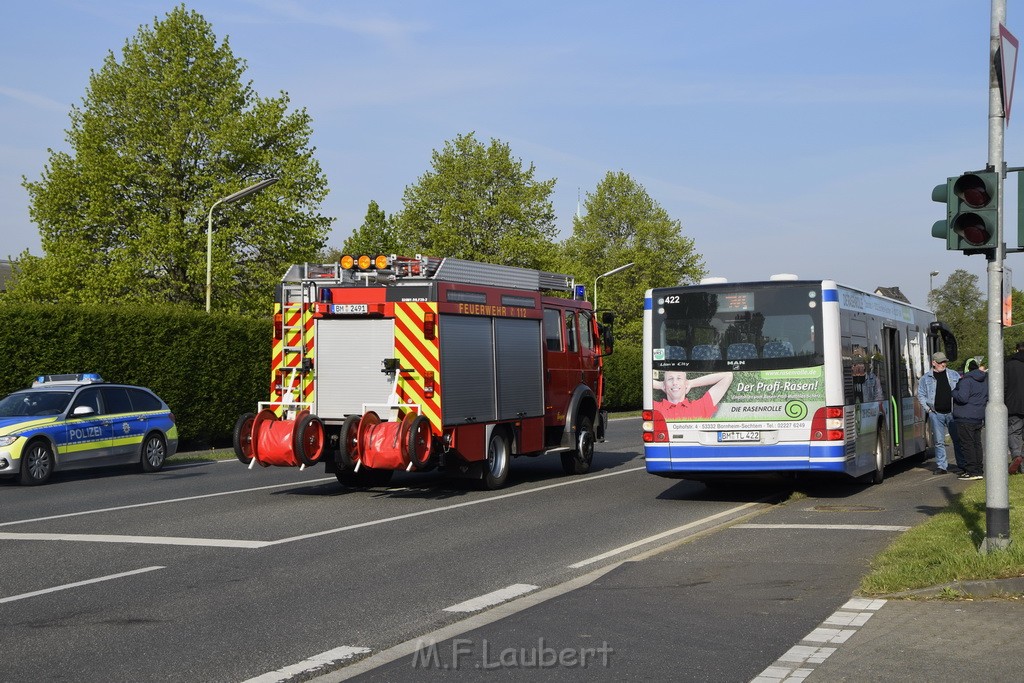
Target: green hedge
623	378
209	368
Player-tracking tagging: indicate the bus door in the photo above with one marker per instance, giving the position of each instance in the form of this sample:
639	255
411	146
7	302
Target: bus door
894	379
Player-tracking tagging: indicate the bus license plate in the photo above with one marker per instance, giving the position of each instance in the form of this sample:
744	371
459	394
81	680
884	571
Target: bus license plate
739	436
348	308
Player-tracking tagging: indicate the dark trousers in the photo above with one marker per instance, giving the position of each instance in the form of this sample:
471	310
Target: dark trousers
970	442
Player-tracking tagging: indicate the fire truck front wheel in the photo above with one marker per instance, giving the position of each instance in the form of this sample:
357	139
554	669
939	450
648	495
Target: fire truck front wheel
578	460
496	465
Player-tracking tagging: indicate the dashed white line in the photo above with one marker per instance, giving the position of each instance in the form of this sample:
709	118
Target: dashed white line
493	598
312	664
76	584
798	662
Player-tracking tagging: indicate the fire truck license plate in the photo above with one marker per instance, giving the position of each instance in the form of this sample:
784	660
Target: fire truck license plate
739	436
348	308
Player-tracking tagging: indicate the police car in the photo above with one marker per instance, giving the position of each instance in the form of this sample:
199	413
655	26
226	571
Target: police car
68	422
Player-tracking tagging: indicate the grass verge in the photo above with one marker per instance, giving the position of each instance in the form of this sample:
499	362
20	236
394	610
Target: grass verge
945	548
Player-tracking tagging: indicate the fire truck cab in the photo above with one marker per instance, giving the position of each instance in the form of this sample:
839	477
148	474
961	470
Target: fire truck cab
422	363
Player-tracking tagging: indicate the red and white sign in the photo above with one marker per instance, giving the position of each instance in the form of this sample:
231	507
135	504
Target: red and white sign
1008	53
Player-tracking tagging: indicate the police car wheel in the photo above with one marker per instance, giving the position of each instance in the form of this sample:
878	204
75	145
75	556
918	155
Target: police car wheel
154	452
36	463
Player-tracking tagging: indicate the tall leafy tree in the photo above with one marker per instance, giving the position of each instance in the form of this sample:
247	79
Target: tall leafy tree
478	202
960	304
377	235
161	135
622	224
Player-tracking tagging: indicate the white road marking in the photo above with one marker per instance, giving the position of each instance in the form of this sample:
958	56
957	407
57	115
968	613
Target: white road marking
455	506
167	501
657	537
798	662
826	527
149	540
492	598
78	583
312	664
230	543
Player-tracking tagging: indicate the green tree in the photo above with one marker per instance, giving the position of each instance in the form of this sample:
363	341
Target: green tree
622	224
960	304
377	235
161	135
479	203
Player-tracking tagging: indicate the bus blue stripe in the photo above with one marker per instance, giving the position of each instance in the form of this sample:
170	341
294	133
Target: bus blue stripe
667	458
830	295
647	303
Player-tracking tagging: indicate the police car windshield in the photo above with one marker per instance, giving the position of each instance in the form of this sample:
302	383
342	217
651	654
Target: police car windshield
34	403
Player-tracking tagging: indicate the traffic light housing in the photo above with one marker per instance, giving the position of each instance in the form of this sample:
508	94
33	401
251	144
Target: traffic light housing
972	212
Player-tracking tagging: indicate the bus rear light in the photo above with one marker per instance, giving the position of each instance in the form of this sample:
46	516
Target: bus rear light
654	428
827	424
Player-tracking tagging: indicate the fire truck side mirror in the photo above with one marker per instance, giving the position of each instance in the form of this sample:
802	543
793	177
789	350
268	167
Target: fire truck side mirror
608	318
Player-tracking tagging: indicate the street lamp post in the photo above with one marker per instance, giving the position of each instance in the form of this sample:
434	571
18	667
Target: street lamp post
610	272
209	228
931	285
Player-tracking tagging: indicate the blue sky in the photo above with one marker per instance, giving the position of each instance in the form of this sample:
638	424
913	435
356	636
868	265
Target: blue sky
790	136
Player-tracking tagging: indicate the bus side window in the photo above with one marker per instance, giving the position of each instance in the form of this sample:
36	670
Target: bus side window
552	329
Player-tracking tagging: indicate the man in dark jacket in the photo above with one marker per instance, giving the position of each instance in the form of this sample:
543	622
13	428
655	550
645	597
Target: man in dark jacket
1013	395
969	399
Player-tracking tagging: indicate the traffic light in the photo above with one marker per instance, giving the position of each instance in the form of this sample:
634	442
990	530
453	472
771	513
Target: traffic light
972	212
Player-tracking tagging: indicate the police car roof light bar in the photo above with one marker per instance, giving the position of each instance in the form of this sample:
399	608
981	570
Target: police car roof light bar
80	378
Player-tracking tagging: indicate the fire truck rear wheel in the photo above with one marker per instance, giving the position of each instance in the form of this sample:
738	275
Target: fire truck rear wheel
308	439
496	464
348	442
578	460
242	438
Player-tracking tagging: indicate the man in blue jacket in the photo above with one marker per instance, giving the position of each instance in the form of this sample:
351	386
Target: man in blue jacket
935	394
969	399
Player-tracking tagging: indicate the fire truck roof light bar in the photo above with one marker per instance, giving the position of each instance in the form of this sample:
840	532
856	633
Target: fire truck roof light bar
430	268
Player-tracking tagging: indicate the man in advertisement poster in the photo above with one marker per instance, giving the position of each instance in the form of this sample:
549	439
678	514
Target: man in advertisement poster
676	386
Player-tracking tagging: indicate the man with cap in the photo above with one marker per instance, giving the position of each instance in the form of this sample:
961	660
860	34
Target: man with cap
935	394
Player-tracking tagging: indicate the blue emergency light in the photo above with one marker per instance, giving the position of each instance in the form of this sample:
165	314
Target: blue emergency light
581	292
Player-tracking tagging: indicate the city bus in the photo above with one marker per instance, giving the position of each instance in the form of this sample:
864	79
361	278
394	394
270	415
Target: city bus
784	376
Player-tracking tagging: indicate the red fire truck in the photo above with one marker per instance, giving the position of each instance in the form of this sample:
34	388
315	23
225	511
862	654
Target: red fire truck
392	363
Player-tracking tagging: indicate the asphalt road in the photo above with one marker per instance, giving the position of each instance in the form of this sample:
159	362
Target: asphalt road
214	572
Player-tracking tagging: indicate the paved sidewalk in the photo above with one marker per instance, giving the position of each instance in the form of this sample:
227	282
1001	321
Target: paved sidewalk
931	640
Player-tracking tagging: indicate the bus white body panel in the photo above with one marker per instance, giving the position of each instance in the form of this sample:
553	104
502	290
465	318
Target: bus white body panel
782	376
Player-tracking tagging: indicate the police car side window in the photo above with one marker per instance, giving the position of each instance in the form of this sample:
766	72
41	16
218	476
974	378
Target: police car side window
143	401
88	397
115	400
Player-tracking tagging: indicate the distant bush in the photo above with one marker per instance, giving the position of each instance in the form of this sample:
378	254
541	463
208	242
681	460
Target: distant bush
623	379
209	368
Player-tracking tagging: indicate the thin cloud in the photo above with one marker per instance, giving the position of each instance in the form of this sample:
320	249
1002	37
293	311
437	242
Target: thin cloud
33	99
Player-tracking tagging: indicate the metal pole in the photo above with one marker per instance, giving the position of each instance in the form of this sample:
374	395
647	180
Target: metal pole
255	187
997	496
610	272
